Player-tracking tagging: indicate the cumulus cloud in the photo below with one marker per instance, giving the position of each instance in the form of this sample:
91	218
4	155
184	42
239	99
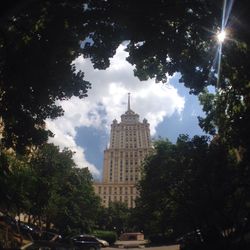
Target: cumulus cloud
64	130
107	100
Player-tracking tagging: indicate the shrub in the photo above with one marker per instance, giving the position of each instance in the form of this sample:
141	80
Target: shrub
109	236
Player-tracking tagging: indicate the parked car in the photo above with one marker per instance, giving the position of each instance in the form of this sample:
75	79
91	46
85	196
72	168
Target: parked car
49	245
85	241
103	243
80	242
35	233
29	230
192	240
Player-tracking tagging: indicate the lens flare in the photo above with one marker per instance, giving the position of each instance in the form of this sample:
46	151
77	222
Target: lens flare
221	36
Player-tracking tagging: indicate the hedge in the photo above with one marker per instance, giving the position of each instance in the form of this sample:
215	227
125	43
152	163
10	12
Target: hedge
109	236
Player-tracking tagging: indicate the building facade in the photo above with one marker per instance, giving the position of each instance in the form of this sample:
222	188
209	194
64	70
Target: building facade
130	143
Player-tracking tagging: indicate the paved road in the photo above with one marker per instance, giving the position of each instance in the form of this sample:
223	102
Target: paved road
173	247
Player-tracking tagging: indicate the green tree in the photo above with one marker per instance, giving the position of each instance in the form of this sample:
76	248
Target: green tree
62	195
39	41
191	185
16	178
50	190
78	208
154	208
115	217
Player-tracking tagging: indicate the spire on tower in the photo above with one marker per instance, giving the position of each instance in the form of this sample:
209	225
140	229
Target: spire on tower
128	101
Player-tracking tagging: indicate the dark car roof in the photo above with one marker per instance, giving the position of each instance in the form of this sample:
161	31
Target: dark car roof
45	243
85	235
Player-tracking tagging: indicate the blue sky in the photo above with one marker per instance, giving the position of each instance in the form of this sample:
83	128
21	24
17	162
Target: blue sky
85	126
186	122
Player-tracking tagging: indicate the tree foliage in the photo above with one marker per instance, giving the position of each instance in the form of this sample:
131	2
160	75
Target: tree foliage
115	218
192	185
51	191
15	182
39	41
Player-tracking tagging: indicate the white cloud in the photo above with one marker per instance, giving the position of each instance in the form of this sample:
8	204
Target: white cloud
109	96
65	139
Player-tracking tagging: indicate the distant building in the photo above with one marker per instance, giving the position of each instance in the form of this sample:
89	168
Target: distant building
130	142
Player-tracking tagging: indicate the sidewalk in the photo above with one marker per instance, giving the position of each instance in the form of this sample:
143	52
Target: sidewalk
130	243
131	247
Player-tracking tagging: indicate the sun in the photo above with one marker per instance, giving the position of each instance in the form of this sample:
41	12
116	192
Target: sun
221	36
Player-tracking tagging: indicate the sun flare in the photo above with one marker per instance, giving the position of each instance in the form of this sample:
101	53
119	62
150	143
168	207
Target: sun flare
221	36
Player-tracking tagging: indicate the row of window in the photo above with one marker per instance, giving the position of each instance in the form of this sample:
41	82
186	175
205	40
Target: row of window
119	198
133	133
126	179
130	201
117	190
127	154
130	138
127	169
127	146
130	127
136	162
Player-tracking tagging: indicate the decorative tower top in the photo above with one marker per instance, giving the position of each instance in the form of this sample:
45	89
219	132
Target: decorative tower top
129	116
128	101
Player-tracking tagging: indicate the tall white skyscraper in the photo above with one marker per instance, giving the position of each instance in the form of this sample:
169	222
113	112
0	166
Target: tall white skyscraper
130	143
